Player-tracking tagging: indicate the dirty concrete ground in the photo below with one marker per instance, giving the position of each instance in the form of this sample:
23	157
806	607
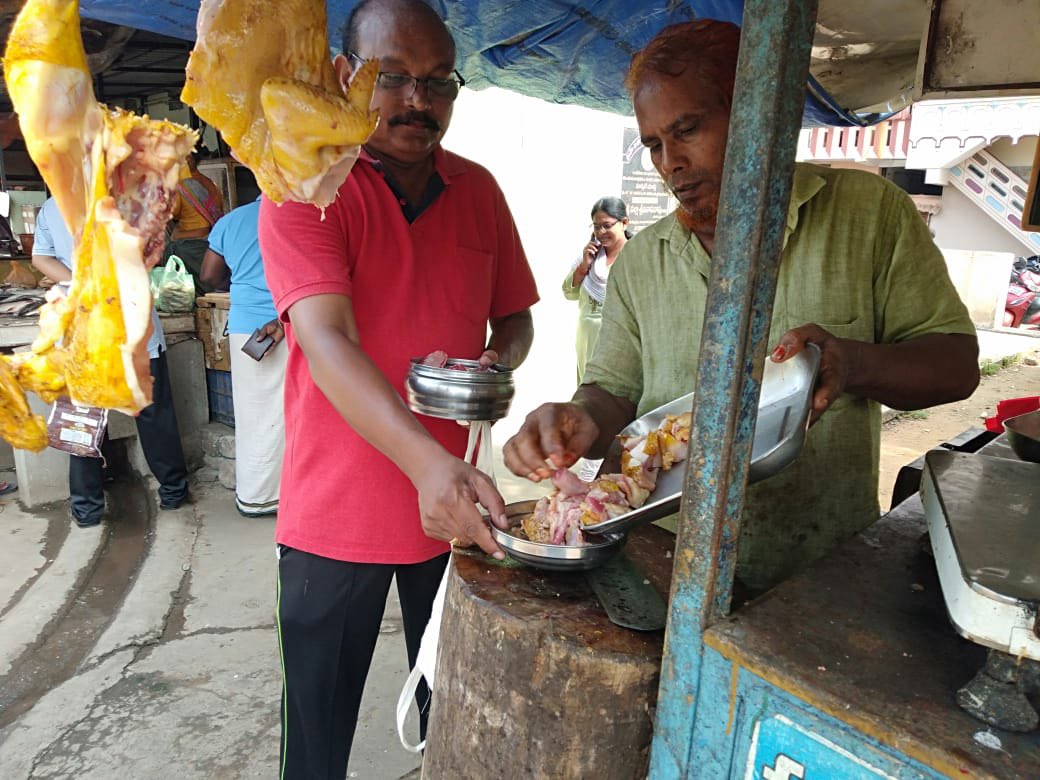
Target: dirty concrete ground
146	648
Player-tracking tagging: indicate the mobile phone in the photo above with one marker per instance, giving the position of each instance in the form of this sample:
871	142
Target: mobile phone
258	345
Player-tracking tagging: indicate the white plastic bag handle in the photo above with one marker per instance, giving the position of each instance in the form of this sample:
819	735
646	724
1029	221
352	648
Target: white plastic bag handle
404	704
425	664
480	445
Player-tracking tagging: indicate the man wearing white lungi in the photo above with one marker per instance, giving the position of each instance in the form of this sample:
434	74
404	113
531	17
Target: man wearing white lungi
257	358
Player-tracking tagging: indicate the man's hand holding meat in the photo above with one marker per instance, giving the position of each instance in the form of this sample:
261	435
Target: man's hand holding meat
555	435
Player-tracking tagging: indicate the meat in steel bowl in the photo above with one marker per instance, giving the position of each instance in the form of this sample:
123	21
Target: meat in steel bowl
554	557
459	389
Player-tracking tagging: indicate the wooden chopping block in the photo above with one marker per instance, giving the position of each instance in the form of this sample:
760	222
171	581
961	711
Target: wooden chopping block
533	680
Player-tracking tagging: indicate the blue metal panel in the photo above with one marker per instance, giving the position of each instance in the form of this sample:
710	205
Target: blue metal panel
772	68
749	728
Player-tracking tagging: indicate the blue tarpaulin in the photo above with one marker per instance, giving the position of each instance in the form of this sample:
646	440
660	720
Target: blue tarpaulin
563	52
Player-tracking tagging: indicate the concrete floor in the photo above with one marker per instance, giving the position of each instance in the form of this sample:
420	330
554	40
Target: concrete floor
172	669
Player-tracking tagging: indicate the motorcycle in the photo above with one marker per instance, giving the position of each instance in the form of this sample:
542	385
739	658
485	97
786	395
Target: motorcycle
1022	307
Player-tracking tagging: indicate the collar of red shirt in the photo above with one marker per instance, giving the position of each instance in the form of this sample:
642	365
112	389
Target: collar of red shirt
445	163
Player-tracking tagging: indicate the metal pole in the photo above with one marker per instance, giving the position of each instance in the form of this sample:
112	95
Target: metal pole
767	109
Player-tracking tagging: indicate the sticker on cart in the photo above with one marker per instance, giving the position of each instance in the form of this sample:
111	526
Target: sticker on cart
783	750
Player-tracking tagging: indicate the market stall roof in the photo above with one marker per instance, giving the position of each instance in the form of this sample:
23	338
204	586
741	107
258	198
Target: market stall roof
577	52
126	63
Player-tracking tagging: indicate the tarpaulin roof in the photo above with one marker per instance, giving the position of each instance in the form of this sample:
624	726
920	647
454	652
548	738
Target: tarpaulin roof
560	51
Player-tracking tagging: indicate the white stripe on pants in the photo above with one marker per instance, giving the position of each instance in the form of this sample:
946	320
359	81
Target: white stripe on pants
259	425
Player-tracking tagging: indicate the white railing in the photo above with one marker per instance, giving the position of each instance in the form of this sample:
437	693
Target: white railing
884	142
998	191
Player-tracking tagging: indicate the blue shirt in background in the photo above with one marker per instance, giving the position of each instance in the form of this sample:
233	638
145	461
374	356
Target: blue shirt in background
53	240
234	237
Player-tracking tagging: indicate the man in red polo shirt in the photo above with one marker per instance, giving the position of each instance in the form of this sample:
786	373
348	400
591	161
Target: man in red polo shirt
418	252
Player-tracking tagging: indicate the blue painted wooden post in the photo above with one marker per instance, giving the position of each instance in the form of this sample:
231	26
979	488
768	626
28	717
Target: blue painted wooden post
766	116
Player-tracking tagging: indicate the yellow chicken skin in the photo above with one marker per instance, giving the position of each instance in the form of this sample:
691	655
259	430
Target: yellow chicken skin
45	67
260	73
43	374
114	176
18	424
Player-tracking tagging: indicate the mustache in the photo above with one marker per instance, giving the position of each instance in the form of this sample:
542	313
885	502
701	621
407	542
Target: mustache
415	117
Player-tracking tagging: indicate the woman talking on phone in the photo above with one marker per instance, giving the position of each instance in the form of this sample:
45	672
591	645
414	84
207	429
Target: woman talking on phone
586	282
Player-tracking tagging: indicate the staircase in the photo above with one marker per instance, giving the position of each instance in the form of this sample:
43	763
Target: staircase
998	191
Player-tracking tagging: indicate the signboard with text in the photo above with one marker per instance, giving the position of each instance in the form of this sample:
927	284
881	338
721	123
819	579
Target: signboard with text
641	187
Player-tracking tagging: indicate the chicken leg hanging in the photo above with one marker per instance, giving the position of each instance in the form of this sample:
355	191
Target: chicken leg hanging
260	73
113	176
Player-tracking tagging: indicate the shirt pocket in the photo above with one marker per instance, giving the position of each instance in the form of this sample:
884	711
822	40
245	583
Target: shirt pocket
470	289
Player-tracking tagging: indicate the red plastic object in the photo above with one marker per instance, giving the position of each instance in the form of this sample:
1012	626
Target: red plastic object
1012	407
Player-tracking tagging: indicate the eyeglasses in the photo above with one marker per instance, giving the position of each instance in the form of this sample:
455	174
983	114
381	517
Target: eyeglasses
603	227
444	89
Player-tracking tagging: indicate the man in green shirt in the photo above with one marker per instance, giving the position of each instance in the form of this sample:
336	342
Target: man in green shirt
858	265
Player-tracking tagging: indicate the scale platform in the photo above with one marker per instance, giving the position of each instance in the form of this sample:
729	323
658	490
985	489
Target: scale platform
983	516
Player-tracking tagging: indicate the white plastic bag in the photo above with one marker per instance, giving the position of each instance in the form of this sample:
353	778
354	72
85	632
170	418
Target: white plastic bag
425	664
479	446
173	289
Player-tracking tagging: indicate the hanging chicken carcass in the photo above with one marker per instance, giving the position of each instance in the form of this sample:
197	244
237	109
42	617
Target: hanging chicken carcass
114	177
260	73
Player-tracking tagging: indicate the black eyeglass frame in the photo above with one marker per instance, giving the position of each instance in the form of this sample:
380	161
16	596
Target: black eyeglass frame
426	82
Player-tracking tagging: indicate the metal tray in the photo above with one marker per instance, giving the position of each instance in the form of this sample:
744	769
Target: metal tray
783	418
554	557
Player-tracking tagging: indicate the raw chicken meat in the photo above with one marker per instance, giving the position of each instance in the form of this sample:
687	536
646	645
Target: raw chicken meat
643	456
574	504
439	359
559	517
436	359
113	176
260	73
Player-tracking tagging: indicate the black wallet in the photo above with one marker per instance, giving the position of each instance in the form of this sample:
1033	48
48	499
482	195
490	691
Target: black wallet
258	344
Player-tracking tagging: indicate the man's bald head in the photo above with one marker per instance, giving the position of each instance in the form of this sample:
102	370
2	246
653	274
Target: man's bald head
380	12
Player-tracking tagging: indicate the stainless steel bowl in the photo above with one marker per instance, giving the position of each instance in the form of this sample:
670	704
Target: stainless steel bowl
1023	434
452	394
554	557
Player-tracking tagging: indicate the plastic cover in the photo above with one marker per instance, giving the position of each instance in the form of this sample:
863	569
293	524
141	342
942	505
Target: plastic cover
563	52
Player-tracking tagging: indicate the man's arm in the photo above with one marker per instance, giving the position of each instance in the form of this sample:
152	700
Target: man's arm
215	272
555	435
327	333
52	268
610	412
511	337
936	368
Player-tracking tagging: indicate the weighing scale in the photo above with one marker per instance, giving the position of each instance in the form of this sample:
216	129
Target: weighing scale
983	516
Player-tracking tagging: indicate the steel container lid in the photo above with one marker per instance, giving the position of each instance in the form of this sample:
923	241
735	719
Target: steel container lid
457	392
